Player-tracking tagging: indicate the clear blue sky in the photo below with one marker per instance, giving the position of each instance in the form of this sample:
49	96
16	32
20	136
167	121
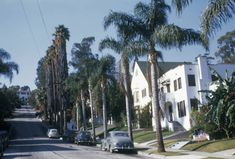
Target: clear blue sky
26	38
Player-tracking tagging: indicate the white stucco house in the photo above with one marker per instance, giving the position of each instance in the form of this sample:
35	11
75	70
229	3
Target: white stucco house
180	86
24	93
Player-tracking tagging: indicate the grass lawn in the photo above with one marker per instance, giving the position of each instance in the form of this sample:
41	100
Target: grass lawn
147	135
211	146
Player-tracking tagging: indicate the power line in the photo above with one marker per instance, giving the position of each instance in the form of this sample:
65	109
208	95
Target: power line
30	27
43	19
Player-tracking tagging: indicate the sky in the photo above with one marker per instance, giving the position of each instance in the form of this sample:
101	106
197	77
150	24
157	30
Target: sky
27	26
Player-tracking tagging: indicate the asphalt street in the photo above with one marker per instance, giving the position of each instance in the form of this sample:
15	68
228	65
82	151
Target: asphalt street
30	142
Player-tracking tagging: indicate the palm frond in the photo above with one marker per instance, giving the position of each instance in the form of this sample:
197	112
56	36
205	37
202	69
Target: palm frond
4	55
140	9
180	5
217	13
171	36
110	43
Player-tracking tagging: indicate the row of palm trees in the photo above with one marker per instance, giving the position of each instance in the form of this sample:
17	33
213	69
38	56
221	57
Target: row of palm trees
140	33
55	77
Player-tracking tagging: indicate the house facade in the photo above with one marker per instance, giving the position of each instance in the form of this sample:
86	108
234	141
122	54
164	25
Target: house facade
24	93
181	86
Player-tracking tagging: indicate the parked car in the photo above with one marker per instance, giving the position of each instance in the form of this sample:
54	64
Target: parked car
69	136
117	141
53	133
83	137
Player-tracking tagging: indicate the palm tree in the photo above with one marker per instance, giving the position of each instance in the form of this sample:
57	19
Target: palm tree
105	75
126	47
85	62
150	23
7	67
217	13
61	35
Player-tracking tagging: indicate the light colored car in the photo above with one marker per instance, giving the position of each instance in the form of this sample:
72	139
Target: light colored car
117	141
53	133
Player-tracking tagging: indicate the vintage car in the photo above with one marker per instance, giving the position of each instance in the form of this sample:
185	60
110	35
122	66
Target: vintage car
53	133
83	138
117	141
69	136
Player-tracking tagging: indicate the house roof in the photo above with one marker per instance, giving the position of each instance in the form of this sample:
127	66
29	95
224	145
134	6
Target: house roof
164	66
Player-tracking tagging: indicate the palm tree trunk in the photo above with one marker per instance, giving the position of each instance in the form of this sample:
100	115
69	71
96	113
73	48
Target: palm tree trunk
155	101
92	112
128	97
104	109
83	110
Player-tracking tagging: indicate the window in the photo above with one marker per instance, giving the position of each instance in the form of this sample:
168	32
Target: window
175	85
179	83
191	80
137	97
181	109
194	104
168	88
143	93
162	89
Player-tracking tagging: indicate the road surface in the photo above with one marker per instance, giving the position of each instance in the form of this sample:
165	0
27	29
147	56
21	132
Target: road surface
30	142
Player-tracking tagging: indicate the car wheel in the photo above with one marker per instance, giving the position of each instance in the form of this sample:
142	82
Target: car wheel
110	149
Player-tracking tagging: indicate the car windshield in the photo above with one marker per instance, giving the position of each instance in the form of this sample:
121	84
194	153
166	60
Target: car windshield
121	134
85	134
54	130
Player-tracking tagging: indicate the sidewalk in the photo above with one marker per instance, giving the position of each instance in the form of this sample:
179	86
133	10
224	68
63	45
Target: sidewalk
184	154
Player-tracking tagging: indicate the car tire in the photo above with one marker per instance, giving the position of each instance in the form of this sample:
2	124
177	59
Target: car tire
110	149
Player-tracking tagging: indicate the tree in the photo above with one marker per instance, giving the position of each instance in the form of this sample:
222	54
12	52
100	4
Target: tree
217	13
125	46
85	63
150	24
226	47
61	35
221	104
7	67
104	76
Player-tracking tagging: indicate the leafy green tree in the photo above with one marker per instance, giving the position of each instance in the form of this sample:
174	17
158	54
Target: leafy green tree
226	47
150	24
9	100
221	104
7	67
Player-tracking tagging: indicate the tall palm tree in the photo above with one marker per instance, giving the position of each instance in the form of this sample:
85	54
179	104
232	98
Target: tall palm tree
105	75
150	23
7	67
126	47
61	35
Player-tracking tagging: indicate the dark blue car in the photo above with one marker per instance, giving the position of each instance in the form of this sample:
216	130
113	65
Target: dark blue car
83	138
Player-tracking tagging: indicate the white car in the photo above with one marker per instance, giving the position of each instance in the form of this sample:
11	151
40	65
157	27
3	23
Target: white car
53	133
